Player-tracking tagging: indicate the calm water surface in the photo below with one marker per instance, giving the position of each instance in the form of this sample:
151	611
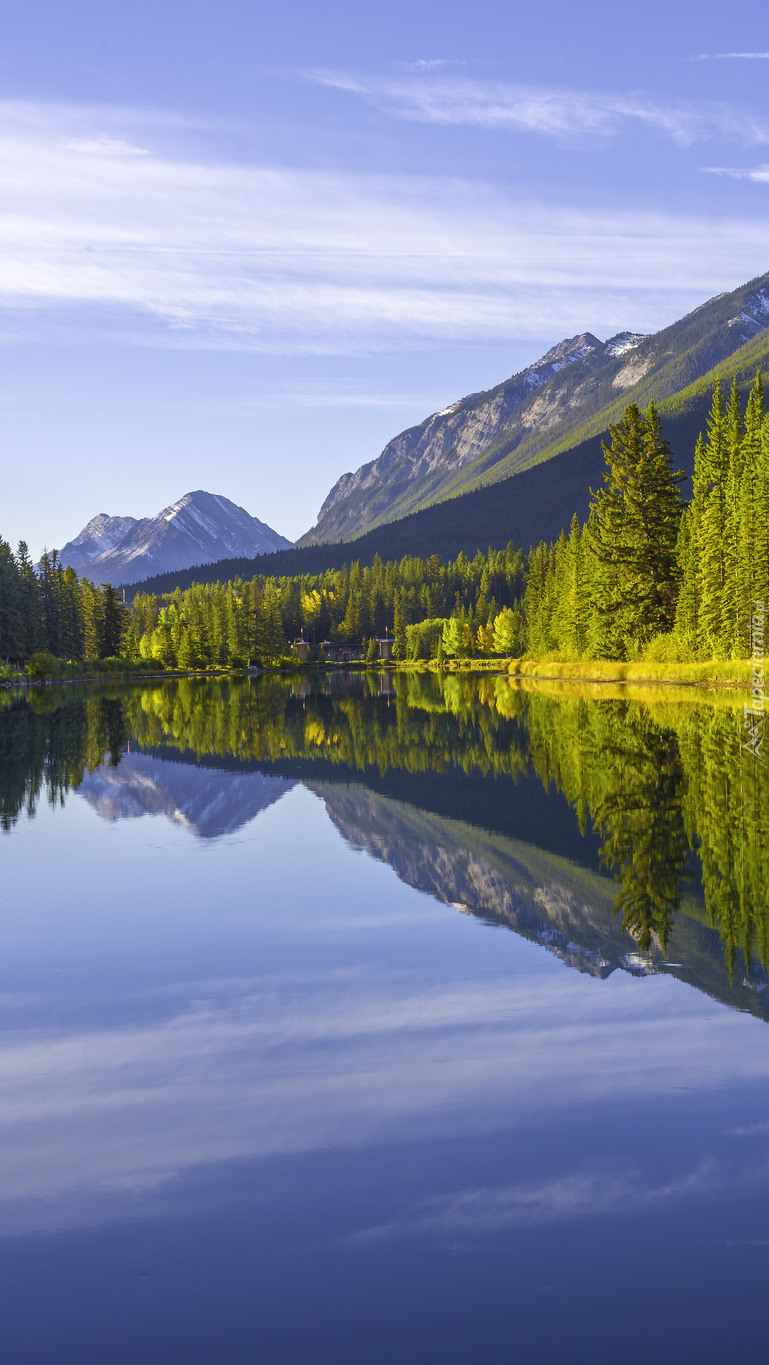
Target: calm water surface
362	1020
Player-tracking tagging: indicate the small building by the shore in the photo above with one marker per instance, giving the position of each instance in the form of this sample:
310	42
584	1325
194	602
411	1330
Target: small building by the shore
335	653
301	648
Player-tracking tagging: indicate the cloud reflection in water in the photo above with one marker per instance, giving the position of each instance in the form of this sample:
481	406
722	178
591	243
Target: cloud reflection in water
93	1120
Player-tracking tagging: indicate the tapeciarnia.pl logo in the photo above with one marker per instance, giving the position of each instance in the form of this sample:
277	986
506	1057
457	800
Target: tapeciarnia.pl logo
754	711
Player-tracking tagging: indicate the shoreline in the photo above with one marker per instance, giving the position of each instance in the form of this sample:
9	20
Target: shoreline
714	675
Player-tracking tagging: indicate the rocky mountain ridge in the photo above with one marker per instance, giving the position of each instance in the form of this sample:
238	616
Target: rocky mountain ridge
573	391
461	432
198	529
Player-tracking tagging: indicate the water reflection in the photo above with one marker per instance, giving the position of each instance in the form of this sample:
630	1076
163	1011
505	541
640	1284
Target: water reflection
641	817
269	1090
103	1124
680	815
202	800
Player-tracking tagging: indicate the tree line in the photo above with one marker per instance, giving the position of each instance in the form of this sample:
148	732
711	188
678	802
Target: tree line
423	604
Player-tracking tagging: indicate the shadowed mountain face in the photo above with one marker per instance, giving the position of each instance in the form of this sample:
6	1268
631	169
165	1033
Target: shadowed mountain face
205	802
572	393
198	529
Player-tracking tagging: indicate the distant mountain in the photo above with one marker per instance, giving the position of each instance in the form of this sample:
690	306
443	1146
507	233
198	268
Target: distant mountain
568	396
198	529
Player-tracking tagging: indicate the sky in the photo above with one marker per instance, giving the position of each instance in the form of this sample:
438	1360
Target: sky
243	245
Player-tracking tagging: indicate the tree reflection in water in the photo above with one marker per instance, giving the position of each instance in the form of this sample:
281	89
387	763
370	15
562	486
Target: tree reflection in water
641	818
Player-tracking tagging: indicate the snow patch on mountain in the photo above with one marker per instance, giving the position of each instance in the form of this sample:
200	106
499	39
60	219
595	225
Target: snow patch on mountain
754	314
624	342
455	407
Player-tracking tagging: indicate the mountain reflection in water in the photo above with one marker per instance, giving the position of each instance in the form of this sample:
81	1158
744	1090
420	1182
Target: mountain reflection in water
513	805
203	800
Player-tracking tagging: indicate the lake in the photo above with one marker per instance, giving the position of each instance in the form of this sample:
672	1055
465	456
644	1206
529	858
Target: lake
363	1018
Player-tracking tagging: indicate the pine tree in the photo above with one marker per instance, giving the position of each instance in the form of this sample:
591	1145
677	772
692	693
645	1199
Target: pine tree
399	626
113	623
749	531
633	531
11	606
538	600
32	638
735	432
711	472
761	584
270	639
687	607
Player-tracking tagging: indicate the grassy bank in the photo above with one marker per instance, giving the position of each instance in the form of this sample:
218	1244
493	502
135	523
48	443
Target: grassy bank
734	674
720	673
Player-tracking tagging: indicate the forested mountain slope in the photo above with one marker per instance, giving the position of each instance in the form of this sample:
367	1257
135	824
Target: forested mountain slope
567	397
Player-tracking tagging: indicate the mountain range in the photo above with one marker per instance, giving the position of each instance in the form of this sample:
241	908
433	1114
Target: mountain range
571	394
511	463
198	529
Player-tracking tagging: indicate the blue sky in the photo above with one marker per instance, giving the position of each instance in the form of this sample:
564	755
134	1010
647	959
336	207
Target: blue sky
243	245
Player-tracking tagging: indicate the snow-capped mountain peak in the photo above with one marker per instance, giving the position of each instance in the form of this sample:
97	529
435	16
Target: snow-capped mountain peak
199	528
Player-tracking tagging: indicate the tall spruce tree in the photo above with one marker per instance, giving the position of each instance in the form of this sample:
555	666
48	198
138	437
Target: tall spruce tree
112	623
711	473
11	609
687	620
735	432
702	616
632	535
748	524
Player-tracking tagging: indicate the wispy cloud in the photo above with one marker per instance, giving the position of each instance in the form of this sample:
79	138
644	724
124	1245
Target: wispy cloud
331	396
732	57
758	173
430	64
568	1198
105	145
561	113
101	234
